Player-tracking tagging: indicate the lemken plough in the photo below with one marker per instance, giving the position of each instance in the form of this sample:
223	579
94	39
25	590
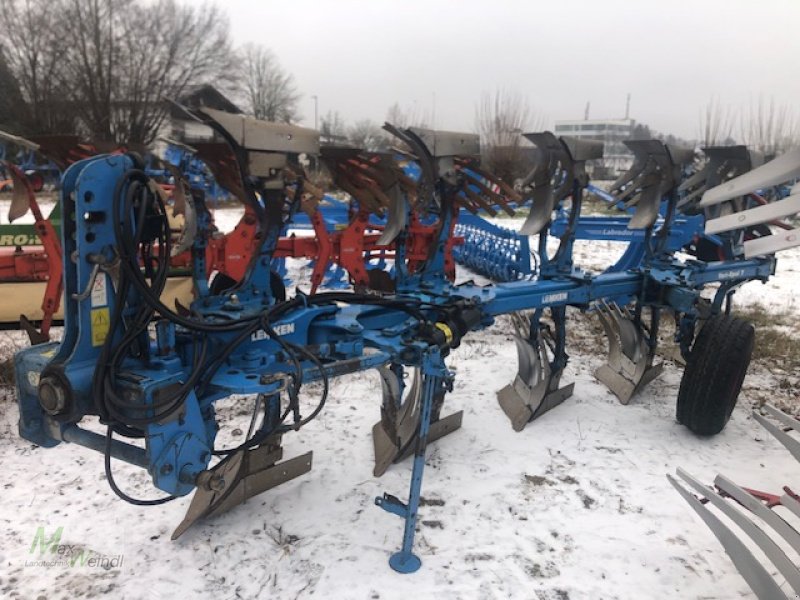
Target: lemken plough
152	372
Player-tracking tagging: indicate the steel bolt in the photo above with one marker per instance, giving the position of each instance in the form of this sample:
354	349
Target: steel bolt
210	481
52	396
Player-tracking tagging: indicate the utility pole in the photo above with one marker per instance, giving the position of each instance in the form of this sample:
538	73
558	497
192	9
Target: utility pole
316	112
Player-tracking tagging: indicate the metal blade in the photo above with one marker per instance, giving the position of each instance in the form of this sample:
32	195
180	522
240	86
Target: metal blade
528	369
534	389
790	443
628	368
394	434
178	191
753	572
770	244
189	230
788	420
630	338
396	218
755	216
754	505
20	193
408	415
791	503
541	210
241	475
778	170
646	209
762	540
18	141
612	335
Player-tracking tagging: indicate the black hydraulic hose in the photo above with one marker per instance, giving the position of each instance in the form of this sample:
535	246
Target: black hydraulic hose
113	484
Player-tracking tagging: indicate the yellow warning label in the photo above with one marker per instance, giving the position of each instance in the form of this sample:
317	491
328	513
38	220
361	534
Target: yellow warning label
101	322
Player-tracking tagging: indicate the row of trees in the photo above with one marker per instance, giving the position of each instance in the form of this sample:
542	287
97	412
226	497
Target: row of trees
104	68
366	133
763	125
500	119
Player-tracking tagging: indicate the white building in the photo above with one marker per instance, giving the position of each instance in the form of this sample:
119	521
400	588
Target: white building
616	156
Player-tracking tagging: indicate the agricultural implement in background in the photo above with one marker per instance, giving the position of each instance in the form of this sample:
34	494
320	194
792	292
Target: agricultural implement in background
246	339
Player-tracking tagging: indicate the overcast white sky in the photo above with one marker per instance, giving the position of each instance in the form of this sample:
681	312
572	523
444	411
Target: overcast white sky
360	57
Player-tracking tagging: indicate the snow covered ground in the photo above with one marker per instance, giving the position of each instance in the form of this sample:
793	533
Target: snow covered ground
576	506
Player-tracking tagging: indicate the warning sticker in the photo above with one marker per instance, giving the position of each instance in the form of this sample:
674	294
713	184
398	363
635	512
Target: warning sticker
99	294
101	322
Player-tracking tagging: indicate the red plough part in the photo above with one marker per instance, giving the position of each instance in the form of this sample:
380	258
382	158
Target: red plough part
35	264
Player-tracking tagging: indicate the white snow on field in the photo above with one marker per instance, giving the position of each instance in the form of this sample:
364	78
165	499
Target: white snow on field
574	507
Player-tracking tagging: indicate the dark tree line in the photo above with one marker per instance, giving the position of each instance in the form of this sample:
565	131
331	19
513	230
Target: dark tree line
104	68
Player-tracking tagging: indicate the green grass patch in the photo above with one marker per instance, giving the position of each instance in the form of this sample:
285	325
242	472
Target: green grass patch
776	335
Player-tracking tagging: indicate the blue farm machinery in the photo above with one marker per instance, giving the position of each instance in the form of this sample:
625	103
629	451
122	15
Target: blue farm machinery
152	371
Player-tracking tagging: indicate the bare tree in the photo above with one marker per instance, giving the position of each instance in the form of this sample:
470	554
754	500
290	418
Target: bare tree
332	129
716	123
34	41
500	119
407	117
109	71
367	135
187	45
125	59
271	92
12	106
769	128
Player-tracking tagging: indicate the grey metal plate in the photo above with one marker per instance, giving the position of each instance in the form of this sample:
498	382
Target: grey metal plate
255	134
449	143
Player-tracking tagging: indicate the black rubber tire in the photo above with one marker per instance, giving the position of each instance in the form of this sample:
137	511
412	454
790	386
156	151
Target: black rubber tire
714	374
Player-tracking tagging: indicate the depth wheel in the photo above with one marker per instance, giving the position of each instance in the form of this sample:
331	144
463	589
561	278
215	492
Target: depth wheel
714	374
